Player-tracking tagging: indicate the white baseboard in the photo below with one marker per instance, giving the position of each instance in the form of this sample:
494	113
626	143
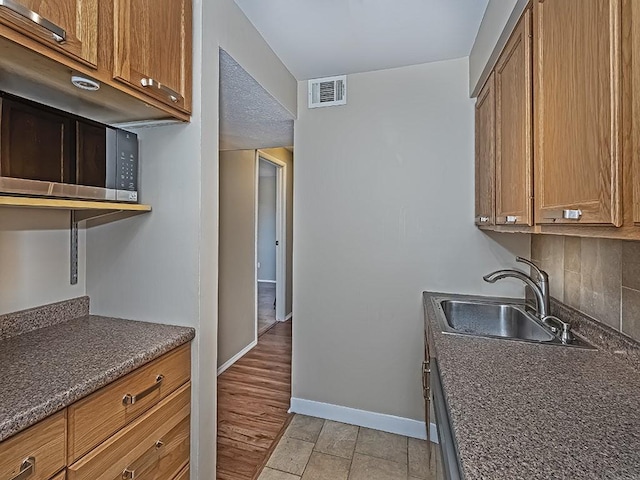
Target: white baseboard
288	317
266	281
433	433
362	418
237	357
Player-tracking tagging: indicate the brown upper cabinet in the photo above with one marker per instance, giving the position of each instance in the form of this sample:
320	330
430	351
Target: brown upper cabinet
485	154
153	48
578	134
138	50
514	156
68	26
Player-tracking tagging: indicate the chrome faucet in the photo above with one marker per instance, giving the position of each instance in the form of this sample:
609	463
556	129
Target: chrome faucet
540	285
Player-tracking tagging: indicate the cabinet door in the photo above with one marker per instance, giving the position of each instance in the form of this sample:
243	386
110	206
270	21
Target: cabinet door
69	26
577	110
514	156
153	48
485	154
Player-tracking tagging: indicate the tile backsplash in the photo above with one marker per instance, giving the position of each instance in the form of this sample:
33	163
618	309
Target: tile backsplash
598	277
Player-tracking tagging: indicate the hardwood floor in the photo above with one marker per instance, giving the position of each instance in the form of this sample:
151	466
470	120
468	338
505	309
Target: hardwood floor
253	399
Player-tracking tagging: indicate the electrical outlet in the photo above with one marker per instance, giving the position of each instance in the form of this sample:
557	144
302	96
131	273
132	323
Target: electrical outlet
258	264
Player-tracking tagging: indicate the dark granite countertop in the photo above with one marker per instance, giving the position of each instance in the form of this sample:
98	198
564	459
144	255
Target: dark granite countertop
44	370
529	411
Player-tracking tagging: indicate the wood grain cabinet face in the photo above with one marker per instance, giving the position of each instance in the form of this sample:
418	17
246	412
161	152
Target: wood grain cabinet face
514	155
77	18
184	474
577	87
98	416
153	48
485	154
44	443
156	446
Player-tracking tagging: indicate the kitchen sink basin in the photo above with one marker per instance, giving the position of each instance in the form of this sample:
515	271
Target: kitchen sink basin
495	317
494	320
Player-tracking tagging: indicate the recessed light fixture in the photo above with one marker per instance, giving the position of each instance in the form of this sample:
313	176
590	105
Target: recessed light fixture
85	83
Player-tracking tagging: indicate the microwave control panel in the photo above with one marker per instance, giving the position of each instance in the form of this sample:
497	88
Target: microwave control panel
126	172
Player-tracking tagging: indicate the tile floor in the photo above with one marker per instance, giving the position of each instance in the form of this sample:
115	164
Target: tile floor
316	449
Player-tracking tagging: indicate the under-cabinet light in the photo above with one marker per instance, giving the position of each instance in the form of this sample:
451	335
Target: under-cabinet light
85	83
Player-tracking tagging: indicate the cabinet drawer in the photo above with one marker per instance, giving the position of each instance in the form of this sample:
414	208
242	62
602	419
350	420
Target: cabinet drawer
184	474
156	446
43	444
60	476
97	417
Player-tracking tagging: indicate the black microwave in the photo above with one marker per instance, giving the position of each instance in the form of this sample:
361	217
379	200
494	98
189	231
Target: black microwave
50	153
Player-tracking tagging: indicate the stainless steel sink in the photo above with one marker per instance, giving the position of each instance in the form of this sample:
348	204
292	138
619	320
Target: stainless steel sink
494	320
494	317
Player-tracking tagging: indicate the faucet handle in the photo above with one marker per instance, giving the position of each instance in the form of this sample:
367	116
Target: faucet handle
542	275
560	328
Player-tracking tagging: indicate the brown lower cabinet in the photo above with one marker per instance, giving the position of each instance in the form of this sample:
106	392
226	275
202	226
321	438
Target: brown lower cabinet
184	474
40	449
154	446
148	437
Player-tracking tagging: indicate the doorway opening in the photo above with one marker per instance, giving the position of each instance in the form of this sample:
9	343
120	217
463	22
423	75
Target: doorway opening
270	241
254	372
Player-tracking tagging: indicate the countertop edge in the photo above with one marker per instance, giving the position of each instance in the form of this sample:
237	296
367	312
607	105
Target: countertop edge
16	424
471	455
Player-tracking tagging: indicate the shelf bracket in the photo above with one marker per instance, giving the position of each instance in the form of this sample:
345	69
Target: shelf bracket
74	248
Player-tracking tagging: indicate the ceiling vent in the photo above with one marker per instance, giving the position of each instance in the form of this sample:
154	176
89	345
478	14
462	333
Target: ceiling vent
328	92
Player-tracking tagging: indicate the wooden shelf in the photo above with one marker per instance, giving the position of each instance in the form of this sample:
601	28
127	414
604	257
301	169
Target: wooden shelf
84	209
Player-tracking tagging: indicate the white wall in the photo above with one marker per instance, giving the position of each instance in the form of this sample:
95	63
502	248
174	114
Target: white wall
384	211
237	254
163	267
34	259
267	228
497	24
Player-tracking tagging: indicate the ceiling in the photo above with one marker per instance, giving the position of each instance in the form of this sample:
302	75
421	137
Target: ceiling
335	37
250	117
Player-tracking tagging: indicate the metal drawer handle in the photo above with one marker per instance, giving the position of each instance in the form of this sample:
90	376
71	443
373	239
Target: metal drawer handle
130	474
483	219
564	214
425	371
511	219
129	399
151	83
59	34
27	469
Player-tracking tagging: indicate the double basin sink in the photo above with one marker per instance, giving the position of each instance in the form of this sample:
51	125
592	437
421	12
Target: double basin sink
495	318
